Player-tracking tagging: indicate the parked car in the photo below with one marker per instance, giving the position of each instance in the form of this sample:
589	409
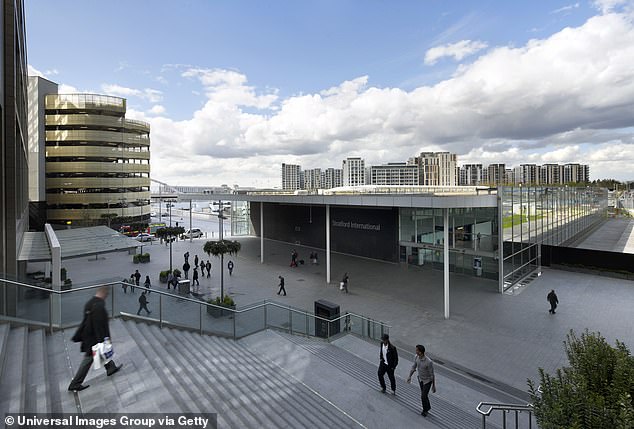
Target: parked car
194	233
144	236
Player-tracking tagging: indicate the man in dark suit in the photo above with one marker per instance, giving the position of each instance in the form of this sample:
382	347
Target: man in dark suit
93	330
388	360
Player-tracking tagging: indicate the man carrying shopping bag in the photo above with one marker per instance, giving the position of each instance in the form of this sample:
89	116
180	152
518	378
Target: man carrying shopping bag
93	330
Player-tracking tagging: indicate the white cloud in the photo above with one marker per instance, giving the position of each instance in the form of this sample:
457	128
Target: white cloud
566	8
32	71
229	87
151	95
607	6
157	109
67	89
458	50
565	98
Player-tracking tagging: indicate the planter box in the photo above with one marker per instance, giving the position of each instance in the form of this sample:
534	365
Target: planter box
219	312
162	279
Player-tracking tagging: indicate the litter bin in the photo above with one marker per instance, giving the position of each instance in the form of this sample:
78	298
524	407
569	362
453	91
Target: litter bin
477	266
326	310
183	287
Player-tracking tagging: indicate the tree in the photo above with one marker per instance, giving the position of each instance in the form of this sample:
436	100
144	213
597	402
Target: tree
220	248
169	233
595	391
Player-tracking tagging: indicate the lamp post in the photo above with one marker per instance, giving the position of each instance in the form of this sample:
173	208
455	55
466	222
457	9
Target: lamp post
169	207
221	217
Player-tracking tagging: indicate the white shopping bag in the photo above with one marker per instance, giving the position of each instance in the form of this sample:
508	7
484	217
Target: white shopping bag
341	286
102	353
96	356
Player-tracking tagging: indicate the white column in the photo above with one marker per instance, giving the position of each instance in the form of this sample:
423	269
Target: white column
56	275
328	243
262	232
446	259
500	241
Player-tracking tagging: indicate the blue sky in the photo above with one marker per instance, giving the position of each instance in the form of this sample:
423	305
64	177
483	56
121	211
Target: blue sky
234	88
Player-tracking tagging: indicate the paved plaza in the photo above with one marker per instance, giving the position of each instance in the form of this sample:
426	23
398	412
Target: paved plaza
497	338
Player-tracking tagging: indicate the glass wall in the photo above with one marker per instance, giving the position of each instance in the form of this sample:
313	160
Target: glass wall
240	218
473	239
535	215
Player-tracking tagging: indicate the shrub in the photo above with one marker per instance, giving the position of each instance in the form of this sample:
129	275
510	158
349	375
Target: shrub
142	258
226	302
595	391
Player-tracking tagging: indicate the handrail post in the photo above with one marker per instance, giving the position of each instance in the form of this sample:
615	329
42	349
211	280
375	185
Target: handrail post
503	419
50	314
517	422
200	317
484	421
161	311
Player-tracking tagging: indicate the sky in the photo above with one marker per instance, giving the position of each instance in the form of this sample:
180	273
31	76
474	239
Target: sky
233	89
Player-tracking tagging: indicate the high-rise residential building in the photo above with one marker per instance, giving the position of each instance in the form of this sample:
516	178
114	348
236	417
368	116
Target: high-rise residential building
97	161
353	172
394	174
291	177
496	174
436	168
14	187
526	173
332	178
471	175
550	174
312	179
576	173
509	176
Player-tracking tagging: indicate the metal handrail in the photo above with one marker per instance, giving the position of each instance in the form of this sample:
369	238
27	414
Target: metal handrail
505	408
248	308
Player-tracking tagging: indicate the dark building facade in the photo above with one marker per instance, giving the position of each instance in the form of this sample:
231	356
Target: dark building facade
14	198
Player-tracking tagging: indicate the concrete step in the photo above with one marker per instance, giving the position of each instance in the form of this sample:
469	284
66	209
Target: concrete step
13	378
4	337
226	379
37	382
165	367
172	350
296	399
60	372
443	413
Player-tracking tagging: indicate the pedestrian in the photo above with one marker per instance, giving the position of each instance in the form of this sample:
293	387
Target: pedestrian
186	268
124	285
388	360
202	268
426	379
195	260
186	255
195	277
208	265
170	280
294	258
314	258
93	330
147	284
552	299
132	281
143	304
282	288
137	277
177	278
344	283
230	266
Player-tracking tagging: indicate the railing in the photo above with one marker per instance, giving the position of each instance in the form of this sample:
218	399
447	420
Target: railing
485	409
55	309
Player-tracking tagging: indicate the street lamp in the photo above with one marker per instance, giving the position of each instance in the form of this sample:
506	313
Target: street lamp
221	217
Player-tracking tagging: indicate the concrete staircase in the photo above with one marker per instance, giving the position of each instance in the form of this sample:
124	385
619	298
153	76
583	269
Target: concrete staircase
164	371
268	380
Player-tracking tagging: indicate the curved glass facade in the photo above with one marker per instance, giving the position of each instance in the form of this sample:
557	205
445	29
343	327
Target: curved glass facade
97	162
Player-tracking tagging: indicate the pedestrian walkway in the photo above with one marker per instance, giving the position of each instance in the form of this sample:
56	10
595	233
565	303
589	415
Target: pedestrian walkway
614	235
496	338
